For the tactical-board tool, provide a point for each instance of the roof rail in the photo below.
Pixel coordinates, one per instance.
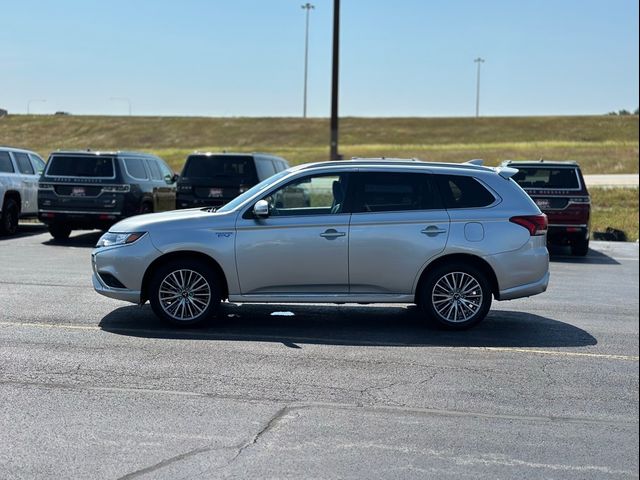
(387, 161)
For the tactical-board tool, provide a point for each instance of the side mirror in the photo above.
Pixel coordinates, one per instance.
(175, 178)
(261, 209)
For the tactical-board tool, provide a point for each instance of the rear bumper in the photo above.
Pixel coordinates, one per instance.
(80, 219)
(527, 290)
(565, 233)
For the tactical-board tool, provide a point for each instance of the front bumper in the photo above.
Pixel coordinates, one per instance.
(127, 264)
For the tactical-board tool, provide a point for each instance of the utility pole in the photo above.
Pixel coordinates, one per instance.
(333, 154)
(308, 7)
(479, 61)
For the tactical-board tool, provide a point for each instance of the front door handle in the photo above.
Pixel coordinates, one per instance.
(332, 233)
(433, 230)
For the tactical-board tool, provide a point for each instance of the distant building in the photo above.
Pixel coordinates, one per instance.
(62, 113)
(3, 112)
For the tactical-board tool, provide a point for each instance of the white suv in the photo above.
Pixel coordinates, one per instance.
(19, 174)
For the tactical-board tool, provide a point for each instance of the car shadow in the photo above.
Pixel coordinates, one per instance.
(83, 240)
(401, 326)
(26, 230)
(560, 254)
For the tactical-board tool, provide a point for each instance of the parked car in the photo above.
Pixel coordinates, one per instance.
(448, 237)
(559, 190)
(19, 173)
(82, 190)
(213, 179)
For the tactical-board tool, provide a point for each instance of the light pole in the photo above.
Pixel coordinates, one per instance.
(122, 99)
(307, 7)
(479, 61)
(333, 145)
(31, 101)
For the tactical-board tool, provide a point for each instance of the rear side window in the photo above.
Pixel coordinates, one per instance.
(460, 191)
(24, 165)
(546, 178)
(5, 163)
(135, 168)
(80, 166)
(391, 192)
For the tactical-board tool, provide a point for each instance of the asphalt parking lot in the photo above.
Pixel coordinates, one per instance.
(546, 387)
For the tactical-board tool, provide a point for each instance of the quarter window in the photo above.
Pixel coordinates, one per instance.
(315, 195)
(394, 191)
(24, 165)
(5, 163)
(135, 168)
(460, 191)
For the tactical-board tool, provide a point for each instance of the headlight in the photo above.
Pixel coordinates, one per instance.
(110, 239)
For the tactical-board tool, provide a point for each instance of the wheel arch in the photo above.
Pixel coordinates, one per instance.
(467, 258)
(12, 194)
(183, 254)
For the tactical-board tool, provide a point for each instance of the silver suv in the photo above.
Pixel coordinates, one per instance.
(448, 237)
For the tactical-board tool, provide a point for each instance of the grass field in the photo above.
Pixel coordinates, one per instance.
(616, 208)
(602, 144)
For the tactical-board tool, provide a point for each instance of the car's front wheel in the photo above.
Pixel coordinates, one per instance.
(456, 296)
(184, 292)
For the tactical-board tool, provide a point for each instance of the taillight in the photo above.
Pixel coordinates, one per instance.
(536, 224)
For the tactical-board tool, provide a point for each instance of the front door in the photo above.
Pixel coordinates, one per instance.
(398, 224)
(302, 247)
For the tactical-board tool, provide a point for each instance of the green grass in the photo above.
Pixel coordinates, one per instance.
(616, 208)
(602, 144)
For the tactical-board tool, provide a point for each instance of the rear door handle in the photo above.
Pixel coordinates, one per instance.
(433, 230)
(332, 233)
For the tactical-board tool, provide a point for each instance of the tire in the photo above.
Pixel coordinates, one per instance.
(464, 311)
(9, 217)
(199, 304)
(59, 232)
(580, 248)
(146, 207)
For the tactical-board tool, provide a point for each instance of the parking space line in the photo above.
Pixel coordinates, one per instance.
(222, 336)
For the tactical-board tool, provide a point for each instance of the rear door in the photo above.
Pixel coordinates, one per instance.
(398, 224)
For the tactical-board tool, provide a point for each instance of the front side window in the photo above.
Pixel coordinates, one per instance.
(24, 165)
(5, 163)
(155, 171)
(38, 162)
(459, 191)
(395, 191)
(135, 168)
(312, 195)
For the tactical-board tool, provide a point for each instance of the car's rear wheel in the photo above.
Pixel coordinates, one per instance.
(59, 232)
(184, 292)
(580, 248)
(456, 296)
(145, 208)
(9, 217)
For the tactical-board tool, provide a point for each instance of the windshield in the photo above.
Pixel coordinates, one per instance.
(81, 166)
(547, 178)
(208, 166)
(256, 189)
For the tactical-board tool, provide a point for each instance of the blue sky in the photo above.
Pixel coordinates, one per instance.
(245, 58)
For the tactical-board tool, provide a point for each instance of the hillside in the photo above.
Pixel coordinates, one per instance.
(602, 144)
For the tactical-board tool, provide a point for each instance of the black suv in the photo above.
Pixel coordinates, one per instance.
(86, 190)
(213, 179)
